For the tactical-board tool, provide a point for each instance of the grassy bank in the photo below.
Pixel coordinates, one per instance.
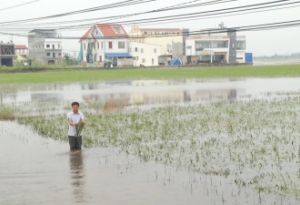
(78, 74)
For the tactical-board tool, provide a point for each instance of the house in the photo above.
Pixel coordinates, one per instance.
(165, 37)
(45, 46)
(218, 48)
(21, 50)
(7, 54)
(106, 42)
(144, 54)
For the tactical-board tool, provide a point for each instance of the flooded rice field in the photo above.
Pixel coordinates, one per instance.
(204, 142)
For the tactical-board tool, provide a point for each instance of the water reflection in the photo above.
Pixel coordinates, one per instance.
(77, 175)
(145, 93)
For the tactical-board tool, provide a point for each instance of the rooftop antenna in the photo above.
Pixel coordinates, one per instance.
(222, 25)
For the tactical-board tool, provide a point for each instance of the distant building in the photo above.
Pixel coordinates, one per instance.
(106, 42)
(45, 46)
(144, 54)
(7, 54)
(21, 50)
(165, 37)
(218, 48)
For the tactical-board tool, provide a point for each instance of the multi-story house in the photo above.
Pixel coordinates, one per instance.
(45, 46)
(145, 54)
(164, 37)
(106, 42)
(7, 54)
(216, 48)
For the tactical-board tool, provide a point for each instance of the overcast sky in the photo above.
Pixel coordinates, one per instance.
(280, 41)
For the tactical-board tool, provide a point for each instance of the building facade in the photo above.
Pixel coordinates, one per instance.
(106, 42)
(7, 54)
(144, 54)
(44, 46)
(21, 50)
(164, 37)
(216, 48)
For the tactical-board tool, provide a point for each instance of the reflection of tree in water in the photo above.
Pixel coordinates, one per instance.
(77, 175)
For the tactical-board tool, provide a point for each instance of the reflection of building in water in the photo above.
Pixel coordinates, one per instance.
(149, 82)
(36, 97)
(77, 176)
(212, 95)
(8, 98)
(157, 97)
(117, 101)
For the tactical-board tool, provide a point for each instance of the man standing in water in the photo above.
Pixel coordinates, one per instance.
(75, 119)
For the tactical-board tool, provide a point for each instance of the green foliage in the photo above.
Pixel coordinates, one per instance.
(6, 113)
(33, 74)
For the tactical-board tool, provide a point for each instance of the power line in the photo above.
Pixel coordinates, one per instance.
(169, 8)
(19, 5)
(187, 16)
(104, 7)
(257, 27)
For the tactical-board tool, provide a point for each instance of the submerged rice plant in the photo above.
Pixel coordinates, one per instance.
(254, 143)
(7, 113)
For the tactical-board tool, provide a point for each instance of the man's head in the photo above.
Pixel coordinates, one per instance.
(75, 107)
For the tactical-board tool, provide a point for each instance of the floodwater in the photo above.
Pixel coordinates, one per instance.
(264, 62)
(37, 170)
(150, 93)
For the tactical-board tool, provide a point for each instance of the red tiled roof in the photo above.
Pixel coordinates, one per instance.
(107, 31)
(20, 47)
(86, 35)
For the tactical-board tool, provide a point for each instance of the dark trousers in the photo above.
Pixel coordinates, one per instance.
(75, 142)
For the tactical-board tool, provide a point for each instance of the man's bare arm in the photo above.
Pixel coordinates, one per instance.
(70, 122)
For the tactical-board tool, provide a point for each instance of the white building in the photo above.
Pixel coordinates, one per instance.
(144, 54)
(106, 42)
(21, 50)
(44, 46)
(214, 47)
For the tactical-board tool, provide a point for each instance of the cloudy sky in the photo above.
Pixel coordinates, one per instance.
(280, 41)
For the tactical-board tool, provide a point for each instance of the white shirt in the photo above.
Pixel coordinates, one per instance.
(76, 119)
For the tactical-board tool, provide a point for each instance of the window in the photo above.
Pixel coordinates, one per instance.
(58, 46)
(59, 54)
(53, 46)
(121, 45)
(118, 30)
(144, 60)
(53, 55)
(152, 61)
(101, 45)
(155, 50)
(110, 45)
(84, 45)
(48, 46)
(142, 50)
(98, 45)
(136, 49)
(48, 54)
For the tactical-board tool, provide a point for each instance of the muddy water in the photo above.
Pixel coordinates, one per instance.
(35, 170)
(150, 93)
